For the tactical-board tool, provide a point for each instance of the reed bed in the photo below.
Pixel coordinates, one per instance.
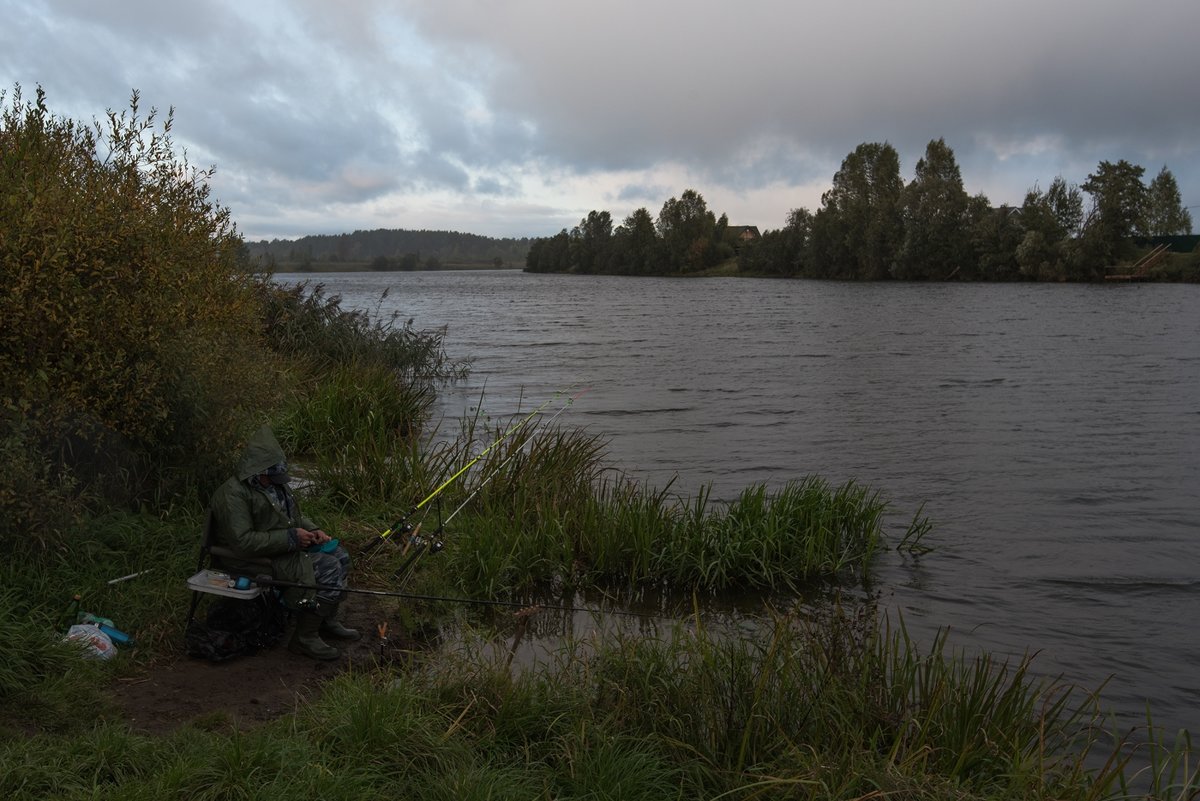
(539, 508)
(544, 511)
(310, 327)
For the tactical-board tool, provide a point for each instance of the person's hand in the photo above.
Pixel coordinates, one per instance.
(321, 537)
(308, 538)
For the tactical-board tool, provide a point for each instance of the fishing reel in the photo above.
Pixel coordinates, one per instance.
(433, 544)
(414, 539)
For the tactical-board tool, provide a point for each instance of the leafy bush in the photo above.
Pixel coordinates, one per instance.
(131, 338)
(37, 497)
(360, 397)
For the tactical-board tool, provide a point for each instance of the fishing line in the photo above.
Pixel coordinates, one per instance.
(267, 581)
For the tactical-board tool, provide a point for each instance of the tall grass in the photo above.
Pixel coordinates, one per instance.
(363, 386)
(837, 706)
(310, 327)
(548, 512)
(829, 703)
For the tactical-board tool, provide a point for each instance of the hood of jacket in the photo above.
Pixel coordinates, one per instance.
(262, 450)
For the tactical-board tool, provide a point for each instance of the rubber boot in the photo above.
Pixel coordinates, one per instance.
(332, 627)
(307, 641)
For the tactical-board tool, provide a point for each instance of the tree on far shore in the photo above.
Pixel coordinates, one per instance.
(872, 226)
(936, 240)
(1165, 214)
(858, 230)
(1118, 210)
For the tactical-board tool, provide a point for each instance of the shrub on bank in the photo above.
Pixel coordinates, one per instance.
(138, 347)
(128, 349)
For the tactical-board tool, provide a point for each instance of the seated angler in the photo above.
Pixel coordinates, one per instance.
(257, 516)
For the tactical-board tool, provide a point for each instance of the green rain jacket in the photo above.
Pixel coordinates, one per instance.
(251, 521)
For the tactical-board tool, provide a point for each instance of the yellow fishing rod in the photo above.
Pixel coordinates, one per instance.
(402, 525)
(434, 543)
(500, 467)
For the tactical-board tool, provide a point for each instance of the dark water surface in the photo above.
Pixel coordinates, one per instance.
(1053, 433)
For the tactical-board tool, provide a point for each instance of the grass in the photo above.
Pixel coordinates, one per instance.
(824, 703)
(815, 703)
(820, 702)
(553, 516)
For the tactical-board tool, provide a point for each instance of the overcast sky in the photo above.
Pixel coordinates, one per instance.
(517, 117)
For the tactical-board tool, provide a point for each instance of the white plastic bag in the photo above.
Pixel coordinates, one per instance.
(97, 643)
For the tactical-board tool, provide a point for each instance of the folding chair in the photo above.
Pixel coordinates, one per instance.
(211, 578)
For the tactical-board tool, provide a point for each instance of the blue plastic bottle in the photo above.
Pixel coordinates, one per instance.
(116, 635)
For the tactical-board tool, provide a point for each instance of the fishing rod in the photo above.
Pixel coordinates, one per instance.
(434, 543)
(402, 525)
(511, 456)
(267, 581)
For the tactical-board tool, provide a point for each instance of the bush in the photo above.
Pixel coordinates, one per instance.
(304, 324)
(131, 343)
(38, 499)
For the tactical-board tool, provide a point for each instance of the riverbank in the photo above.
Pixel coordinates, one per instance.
(823, 698)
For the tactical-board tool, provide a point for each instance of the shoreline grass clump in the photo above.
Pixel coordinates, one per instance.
(552, 514)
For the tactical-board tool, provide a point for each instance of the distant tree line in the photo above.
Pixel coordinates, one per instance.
(685, 238)
(391, 249)
(873, 226)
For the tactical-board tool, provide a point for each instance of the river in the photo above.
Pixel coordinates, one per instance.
(1052, 433)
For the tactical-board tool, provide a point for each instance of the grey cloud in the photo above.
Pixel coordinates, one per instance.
(305, 104)
(624, 85)
(643, 194)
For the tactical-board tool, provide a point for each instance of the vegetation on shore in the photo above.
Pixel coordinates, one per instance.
(873, 226)
(126, 389)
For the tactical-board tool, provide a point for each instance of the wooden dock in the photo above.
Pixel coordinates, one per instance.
(1142, 266)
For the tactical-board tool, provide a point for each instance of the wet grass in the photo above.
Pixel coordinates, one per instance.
(818, 704)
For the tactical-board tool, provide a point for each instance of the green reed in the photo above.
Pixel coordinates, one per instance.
(303, 323)
(546, 510)
(360, 436)
(805, 530)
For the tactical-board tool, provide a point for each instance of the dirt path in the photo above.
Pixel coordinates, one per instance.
(249, 690)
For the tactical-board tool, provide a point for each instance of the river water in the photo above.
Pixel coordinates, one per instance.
(1052, 433)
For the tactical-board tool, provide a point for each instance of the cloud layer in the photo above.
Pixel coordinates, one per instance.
(517, 118)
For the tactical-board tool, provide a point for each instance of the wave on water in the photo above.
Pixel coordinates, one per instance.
(633, 412)
(1127, 583)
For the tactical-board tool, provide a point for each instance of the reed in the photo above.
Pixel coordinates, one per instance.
(555, 515)
(310, 327)
(814, 702)
(355, 403)
(804, 531)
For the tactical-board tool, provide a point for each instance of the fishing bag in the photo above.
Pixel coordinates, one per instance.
(235, 627)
